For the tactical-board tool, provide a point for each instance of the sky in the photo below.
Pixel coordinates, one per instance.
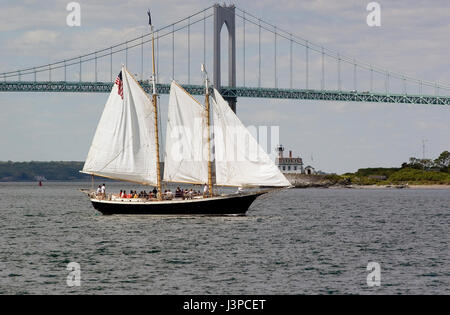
(331, 136)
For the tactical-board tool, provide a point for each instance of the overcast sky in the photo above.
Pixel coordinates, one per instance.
(331, 136)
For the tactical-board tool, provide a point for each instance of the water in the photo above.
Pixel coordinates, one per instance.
(312, 241)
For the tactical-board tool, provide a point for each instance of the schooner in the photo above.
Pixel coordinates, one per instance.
(126, 147)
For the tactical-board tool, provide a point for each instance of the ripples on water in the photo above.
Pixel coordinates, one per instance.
(312, 241)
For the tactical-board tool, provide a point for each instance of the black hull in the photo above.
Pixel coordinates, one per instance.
(228, 205)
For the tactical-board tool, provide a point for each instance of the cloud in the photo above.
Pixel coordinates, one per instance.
(26, 15)
(36, 39)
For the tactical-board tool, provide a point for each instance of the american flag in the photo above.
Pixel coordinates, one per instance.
(120, 84)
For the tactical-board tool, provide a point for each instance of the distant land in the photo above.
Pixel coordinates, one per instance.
(34, 171)
(419, 172)
(415, 172)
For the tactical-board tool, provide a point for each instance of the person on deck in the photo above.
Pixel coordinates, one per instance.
(178, 193)
(205, 191)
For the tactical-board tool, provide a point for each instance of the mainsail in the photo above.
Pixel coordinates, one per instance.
(124, 147)
(186, 158)
(239, 159)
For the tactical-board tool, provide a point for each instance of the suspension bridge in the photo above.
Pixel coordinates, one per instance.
(282, 65)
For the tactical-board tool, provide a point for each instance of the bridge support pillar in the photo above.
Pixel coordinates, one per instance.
(225, 15)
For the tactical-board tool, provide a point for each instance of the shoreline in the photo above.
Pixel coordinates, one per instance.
(298, 186)
(426, 186)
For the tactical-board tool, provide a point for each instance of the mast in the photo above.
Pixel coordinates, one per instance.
(155, 107)
(208, 124)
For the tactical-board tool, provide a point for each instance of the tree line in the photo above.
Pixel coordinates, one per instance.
(32, 171)
(441, 163)
(415, 171)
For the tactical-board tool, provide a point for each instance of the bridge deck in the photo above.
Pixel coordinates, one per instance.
(319, 95)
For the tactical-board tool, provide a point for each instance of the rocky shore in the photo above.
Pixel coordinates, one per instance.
(325, 181)
(309, 181)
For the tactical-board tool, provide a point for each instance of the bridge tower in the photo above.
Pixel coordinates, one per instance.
(225, 15)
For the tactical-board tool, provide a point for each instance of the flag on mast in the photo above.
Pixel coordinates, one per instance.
(119, 83)
(149, 18)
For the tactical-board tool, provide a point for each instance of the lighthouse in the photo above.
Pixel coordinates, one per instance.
(292, 165)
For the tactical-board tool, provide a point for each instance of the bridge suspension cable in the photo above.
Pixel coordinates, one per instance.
(316, 65)
(327, 52)
(113, 50)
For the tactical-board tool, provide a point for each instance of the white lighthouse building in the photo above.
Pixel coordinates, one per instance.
(291, 165)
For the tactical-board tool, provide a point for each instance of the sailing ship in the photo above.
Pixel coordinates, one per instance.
(126, 147)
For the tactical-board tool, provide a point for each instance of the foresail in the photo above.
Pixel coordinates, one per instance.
(186, 155)
(239, 159)
(124, 146)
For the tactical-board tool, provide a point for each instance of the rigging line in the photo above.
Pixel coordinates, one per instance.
(161, 134)
(243, 58)
(173, 54)
(142, 57)
(157, 58)
(204, 39)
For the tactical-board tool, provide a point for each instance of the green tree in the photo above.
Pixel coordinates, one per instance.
(443, 161)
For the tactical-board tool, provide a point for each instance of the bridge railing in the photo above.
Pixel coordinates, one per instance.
(255, 92)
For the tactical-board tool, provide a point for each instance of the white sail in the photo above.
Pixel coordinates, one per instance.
(240, 160)
(186, 155)
(124, 147)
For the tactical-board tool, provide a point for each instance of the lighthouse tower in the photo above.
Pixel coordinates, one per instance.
(280, 149)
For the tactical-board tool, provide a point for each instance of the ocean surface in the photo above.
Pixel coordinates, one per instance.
(297, 241)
